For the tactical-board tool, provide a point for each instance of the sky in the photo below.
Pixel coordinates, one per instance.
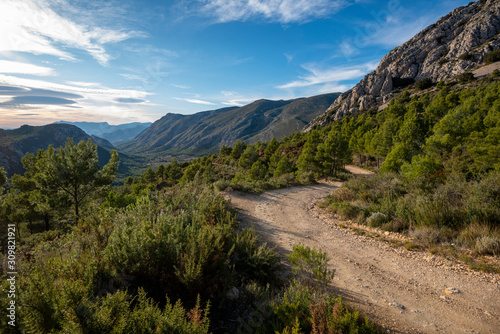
(135, 61)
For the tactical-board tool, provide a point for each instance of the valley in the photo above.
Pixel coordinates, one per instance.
(371, 206)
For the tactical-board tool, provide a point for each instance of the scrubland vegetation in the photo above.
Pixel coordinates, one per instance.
(160, 254)
(439, 177)
(163, 253)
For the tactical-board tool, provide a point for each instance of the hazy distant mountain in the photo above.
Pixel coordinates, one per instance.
(14, 144)
(206, 132)
(457, 43)
(113, 133)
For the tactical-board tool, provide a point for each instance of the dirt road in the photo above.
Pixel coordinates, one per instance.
(401, 290)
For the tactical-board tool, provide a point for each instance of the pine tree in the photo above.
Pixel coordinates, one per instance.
(71, 171)
(333, 153)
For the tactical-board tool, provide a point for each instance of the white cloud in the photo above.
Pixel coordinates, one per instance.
(33, 26)
(91, 103)
(83, 84)
(195, 101)
(319, 75)
(283, 11)
(181, 86)
(130, 76)
(7, 66)
(103, 94)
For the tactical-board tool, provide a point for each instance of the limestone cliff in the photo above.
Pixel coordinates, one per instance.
(455, 44)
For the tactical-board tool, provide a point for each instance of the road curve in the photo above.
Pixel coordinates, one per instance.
(401, 290)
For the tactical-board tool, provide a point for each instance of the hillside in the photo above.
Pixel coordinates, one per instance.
(457, 43)
(14, 144)
(208, 131)
(113, 133)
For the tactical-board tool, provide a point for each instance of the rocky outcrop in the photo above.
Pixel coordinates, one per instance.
(455, 44)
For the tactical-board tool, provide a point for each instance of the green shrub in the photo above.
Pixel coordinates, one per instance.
(466, 56)
(487, 244)
(492, 57)
(424, 83)
(344, 209)
(465, 77)
(258, 171)
(179, 247)
(255, 261)
(402, 82)
(342, 194)
(306, 177)
(426, 235)
(221, 185)
(294, 308)
(311, 265)
(376, 219)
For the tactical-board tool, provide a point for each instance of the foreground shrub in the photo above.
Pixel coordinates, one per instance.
(376, 219)
(181, 250)
(311, 265)
(487, 245)
(254, 261)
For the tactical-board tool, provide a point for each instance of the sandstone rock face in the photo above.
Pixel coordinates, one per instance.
(455, 44)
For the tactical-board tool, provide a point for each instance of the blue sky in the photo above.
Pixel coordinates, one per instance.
(127, 61)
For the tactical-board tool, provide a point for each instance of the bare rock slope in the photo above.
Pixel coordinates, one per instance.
(457, 43)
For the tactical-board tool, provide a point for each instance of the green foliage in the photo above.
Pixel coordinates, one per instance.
(492, 57)
(190, 173)
(302, 308)
(71, 172)
(182, 250)
(311, 265)
(258, 171)
(284, 166)
(333, 153)
(255, 261)
(465, 77)
(424, 83)
(225, 151)
(271, 149)
(173, 171)
(3, 176)
(238, 149)
(376, 219)
(423, 170)
(466, 56)
(306, 162)
(149, 176)
(248, 157)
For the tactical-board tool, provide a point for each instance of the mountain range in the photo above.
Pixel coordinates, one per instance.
(14, 144)
(113, 133)
(458, 43)
(206, 132)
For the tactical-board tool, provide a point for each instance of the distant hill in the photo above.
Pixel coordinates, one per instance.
(14, 144)
(459, 42)
(113, 133)
(206, 132)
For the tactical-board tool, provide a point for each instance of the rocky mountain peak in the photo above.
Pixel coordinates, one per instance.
(455, 44)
